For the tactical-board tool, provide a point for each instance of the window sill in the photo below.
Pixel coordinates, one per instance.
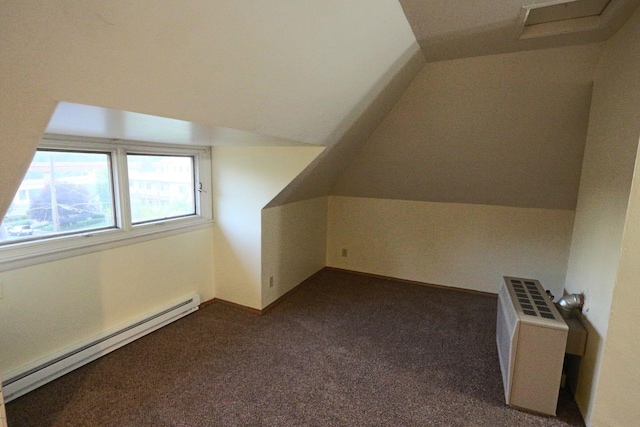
(31, 253)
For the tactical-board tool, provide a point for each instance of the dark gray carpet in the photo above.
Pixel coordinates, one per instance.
(342, 350)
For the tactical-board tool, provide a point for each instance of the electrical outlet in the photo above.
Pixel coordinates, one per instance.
(271, 281)
(345, 252)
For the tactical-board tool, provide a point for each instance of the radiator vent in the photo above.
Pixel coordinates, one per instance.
(531, 301)
(531, 337)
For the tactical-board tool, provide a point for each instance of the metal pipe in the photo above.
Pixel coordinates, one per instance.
(568, 303)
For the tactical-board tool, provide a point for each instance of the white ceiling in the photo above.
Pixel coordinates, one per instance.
(455, 29)
(283, 69)
(273, 73)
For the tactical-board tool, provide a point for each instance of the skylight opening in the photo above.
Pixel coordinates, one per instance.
(566, 16)
(575, 9)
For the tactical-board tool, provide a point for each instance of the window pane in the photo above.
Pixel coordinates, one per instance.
(62, 192)
(160, 187)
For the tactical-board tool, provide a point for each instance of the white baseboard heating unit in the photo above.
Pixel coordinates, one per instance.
(30, 377)
(531, 338)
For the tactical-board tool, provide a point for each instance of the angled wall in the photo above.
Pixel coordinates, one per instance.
(473, 175)
(245, 179)
(505, 130)
(357, 127)
(294, 245)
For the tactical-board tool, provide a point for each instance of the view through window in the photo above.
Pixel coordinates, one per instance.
(160, 187)
(62, 192)
(72, 191)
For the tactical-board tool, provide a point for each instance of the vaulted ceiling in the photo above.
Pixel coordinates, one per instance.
(284, 69)
(323, 72)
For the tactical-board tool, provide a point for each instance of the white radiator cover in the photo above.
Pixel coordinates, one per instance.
(531, 338)
(32, 376)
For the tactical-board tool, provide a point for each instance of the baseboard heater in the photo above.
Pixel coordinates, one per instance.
(32, 376)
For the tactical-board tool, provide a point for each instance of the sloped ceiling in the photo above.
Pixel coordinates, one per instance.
(286, 69)
(279, 70)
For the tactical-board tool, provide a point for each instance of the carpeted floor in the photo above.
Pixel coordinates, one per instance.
(342, 350)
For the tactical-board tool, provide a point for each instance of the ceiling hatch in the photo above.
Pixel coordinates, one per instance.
(566, 16)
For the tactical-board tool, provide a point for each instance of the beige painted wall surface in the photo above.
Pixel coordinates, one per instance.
(51, 306)
(607, 173)
(465, 246)
(294, 245)
(245, 179)
(618, 391)
(503, 130)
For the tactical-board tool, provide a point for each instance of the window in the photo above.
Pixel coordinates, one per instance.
(169, 190)
(79, 196)
(63, 192)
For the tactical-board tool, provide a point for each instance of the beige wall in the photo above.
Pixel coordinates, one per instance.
(504, 130)
(51, 306)
(465, 246)
(618, 390)
(294, 245)
(602, 242)
(48, 307)
(245, 179)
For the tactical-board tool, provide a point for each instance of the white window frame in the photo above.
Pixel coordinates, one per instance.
(32, 252)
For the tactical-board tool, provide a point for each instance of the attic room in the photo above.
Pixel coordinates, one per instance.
(418, 140)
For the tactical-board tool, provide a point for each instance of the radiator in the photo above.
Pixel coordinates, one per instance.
(19, 382)
(531, 338)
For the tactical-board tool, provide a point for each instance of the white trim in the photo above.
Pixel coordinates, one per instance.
(120, 174)
(36, 374)
(32, 252)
